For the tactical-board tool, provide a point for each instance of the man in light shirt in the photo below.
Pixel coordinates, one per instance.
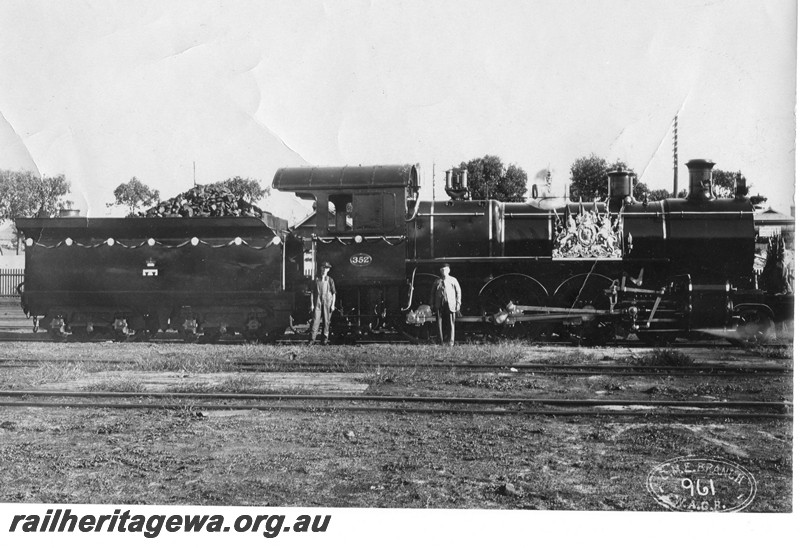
(446, 302)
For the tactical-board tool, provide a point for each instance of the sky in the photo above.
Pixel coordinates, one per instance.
(173, 92)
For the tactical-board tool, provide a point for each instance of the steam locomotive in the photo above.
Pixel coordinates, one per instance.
(544, 268)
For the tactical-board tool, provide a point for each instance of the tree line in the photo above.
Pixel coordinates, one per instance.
(25, 194)
(488, 177)
(590, 182)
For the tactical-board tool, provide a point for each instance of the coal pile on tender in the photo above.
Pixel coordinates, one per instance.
(213, 200)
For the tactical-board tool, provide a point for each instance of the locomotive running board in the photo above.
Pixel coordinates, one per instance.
(548, 309)
(537, 318)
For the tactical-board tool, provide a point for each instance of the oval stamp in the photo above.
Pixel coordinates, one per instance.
(701, 484)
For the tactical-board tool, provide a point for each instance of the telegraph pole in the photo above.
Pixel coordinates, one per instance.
(675, 157)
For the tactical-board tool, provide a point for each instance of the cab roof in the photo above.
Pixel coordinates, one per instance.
(347, 177)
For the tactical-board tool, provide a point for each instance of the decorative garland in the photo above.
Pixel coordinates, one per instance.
(343, 241)
(153, 242)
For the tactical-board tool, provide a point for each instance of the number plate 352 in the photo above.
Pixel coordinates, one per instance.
(360, 259)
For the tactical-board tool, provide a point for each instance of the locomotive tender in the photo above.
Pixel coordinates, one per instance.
(131, 277)
(539, 268)
(542, 268)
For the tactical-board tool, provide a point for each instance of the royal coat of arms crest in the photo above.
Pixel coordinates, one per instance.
(587, 235)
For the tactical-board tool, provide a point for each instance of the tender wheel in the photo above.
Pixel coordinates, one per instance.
(500, 296)
(188, 329)
(586, 292)
(120, 331)
(254, 330)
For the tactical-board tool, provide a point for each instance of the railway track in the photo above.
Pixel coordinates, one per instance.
(252, 366)
(555, 370)
(293, 339)
(672, 409)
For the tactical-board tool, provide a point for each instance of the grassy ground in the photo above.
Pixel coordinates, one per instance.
(88, 359)
(360, 460)
(334, 458)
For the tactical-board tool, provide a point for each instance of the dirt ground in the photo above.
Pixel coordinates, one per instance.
(335, 458)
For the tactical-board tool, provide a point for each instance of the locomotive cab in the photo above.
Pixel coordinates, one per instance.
(358, 226)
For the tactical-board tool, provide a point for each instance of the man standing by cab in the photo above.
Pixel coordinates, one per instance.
(323, 298)
(446, 302)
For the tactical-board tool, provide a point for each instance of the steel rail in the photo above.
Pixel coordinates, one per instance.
(649, 413)
(550, 370)
(393, 399)
(529, 365)
(566, 369)
(294, 340)
(541, 369)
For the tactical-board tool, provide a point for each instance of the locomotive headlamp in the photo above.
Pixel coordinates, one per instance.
(276, 240)
(195, 240)
(68, 241)
(359, 238)
(29, 242)
(110, 242)
(237, 240)
(151, 242)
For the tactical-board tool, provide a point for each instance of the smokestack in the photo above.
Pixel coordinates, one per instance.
(700, 183)
(620, 188)
(741, 185)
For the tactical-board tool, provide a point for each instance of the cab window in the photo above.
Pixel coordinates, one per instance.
(340, 213)
(370, 212)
